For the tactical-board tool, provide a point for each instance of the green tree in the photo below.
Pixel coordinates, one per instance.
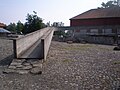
(19, 27)
(12, 27)
(33, 23)
(112, 3)
(58, 24)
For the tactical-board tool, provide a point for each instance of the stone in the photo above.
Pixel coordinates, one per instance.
(22, 71)
(15, 63)
(117, 48)
(37, 65)
(36, 71)
(8, 71)
(19, 66)
(26, 64)
(12, 67)
(27, 67)
(19, 60)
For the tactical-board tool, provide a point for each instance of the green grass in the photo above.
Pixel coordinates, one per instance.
(66, 61)
(78, 47)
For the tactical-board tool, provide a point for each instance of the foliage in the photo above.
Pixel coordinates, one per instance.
(112, 3)
(58, 24)
(48, 24)
(12, 27)
(59, 33)
(33, 23)
(19, 27)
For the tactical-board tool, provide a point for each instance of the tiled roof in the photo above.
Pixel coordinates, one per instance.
(2, 25)
(99, 13)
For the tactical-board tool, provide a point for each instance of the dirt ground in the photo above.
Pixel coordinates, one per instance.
(68, 67)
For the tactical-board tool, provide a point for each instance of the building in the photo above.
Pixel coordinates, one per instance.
(3, 32)
(100, 25)
(2, 25)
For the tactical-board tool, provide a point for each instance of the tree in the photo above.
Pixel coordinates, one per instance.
(58, 24)
(16, 28)
(19, 27)
(112, 3)
(48, 24)
(12, 27)
(33, 23)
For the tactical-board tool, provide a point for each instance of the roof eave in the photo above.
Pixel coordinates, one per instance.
(93, 18)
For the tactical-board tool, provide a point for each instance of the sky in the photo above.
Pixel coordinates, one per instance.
(11, 11)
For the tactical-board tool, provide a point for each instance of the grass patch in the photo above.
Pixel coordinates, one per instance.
(66, 61)
(106, 49)
(78, 47)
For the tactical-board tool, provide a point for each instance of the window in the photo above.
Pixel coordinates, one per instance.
(83, 31)
(107, 30)
(118, 31)
(94, 31)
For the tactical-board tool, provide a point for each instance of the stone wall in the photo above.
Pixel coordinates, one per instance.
(100, 37)
(101, 40)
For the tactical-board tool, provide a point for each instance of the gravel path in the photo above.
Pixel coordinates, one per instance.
(6, 51)
(70, 67)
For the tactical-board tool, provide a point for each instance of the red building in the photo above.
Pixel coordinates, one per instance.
(97, 25)
(2, 25)
(102, 16)
(3, 32)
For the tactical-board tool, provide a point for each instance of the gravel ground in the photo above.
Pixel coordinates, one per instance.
(68, 67)
(6, 51)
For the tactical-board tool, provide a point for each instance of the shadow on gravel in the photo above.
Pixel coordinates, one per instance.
(6, 61)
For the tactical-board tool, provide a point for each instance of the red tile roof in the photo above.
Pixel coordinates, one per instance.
(99, 13)
(2, 25)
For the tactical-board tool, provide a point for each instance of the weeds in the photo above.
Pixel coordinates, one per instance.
(79, 47)
(66, 61)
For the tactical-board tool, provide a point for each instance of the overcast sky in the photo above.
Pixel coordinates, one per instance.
(48, 10)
